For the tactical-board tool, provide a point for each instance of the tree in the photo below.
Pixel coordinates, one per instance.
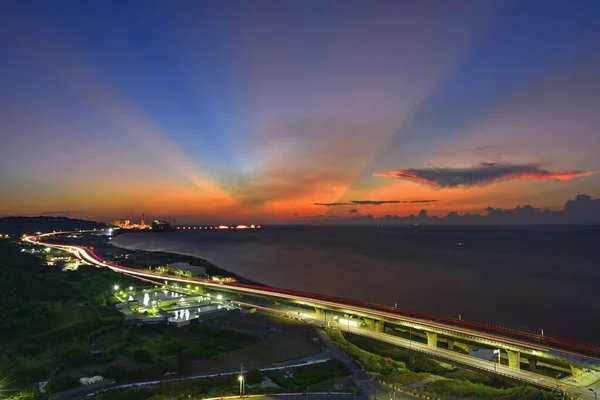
(75, 356)
(142, 355)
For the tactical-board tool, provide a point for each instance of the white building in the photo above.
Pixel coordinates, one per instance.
(93, 379)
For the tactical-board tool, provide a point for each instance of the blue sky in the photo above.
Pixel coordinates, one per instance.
(257, 110)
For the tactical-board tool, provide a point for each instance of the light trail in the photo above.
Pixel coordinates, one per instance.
(524, 341)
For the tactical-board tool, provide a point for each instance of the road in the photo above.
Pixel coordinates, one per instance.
(519, 339)
(70, 395)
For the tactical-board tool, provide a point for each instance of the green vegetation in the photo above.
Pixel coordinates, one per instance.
(455, 383)
(414, 361)
(315, 377)
(172, 271)
(42, 309)
(369, 361)
(301, 378)
(464, 388)
(153, 350)
(50, 321)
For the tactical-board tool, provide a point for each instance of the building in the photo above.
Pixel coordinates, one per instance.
(93, 379)
(193, 269)
(121, 223)
(163, 226)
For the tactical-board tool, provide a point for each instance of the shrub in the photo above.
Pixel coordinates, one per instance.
(116, 372)
(76, 356)
(142, 355)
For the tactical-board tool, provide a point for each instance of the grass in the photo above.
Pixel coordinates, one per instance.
(481, 377)
(369, 361)
(460, 383)
(302, 377)
(400, 380)
(414, 361)
(155, 350)
(464, 388)
(316, 377)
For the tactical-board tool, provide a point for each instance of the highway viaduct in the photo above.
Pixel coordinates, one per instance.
(441, 336)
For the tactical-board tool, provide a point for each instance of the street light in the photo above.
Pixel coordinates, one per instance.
(497, 351)
(116, 287)
(241, 379)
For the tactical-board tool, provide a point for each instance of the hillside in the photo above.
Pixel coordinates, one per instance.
(20, 225)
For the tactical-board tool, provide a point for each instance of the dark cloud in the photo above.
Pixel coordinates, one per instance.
(323, 217)
(366, 217)
(372, 202)
(420, 201)
(480, 175)
(59, 213)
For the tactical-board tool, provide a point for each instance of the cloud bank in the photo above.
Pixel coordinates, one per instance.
(581, 210)
(480, 175)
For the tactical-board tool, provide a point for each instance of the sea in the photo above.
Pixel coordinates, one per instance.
(523, 277)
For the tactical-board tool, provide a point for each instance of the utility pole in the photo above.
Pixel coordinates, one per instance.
(241, 379)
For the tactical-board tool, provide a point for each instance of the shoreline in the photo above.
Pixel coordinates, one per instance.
(192, 257)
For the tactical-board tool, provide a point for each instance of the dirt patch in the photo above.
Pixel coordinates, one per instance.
(282, 339)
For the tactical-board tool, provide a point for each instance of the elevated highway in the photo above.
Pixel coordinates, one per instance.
(518, 347)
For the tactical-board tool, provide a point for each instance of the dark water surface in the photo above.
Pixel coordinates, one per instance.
(521, 277)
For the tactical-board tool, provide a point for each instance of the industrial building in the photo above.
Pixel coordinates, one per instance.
(192, 269)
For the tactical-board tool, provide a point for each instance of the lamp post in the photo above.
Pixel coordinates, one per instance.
(497, 351)
(241, 379)
(542, 332)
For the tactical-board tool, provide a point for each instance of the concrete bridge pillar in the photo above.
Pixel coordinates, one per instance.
(576, 371)
(514, 359)
(379, 326)
(450, 344)
(532, 364)
(431, 339)
(463, 346)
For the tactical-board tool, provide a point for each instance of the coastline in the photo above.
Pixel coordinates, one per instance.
(194, 259)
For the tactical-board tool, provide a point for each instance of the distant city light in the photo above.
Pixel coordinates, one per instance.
(219, 297)
(116, 287)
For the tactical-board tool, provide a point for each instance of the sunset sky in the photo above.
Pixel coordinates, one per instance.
(283, 111)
